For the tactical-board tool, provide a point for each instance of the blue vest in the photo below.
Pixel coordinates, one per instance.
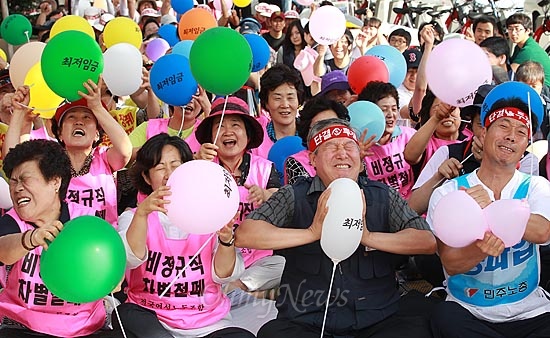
(364, 290)
(505, 279)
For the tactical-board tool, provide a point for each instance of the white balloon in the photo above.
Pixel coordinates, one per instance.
(343, 225)
(5, 199)
(122, 69)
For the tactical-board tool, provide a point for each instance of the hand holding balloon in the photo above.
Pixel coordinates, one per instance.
(207, 152)
(366, 143)
(154, 202)
(19, 103)
(202, 99)
(490, 245)
(93, 98)
(480, 195)
(450, 168)
(316, 226)
(44, 235)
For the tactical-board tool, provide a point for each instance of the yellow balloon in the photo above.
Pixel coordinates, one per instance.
(122, 29)
(3, 55)
(241, 3)
(43, 99)
(72, 22)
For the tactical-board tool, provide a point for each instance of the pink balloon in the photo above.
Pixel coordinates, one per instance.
(156, 48)
(457, 84)
(204, 197)
(507, 219)
(305, 2)
(458, 220)
(327, 25)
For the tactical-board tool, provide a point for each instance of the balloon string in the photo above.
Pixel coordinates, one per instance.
(221, 120)
(530, 142)
(186, 266)
(328, 298)
(118, 317)
(27, 35)
(182, 119)
(39, 109)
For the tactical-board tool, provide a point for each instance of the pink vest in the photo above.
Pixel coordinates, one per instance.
(157, 126)
(303, 158)
(96, 189)
(194, 301)
(388, 164)
(41, 134)
(259, 172)
(263, 149)
(26, 299)
(435, 143)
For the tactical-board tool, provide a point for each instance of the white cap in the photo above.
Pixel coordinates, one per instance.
(150, 12)
(168, 19)
(102, 21)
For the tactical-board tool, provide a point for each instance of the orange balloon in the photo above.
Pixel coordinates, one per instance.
(194, 22)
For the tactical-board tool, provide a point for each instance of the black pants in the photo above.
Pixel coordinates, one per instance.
(411, 321)
(450, 320)
(140, 322)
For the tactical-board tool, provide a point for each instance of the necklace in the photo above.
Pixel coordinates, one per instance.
(85, 167)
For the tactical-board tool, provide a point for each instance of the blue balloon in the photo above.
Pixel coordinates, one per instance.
(394, 60)
(367, 115)
(181, 6)
(170, 34)
(172, 81)
(513, 89)
(183, 48)
(283, 148)
(260, 51)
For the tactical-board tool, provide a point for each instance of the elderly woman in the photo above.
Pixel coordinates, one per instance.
(39, 174)
(79, 126)
(196, 305)
(256, 177)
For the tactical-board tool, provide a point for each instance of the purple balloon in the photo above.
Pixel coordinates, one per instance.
(156, 48)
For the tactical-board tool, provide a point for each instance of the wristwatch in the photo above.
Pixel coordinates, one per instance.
(228, 244)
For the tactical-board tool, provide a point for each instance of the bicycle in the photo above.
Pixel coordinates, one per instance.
(544, 28)
(405, 16)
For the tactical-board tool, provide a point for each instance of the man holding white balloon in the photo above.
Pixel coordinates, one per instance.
(364, 300)
(492, 283)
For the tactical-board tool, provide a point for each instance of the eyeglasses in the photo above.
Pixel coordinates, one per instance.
(397, 40)
(516, 28)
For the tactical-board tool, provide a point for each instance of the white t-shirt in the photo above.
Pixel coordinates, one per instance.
(538, 198)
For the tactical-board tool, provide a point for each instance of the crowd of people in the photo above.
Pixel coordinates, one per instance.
(266, 273)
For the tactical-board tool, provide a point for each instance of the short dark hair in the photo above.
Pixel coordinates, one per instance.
(149, 155)
(437, 27)
(401, 32)
(314, 107)
(375, 91)
(277, 75)
(51, 158)
(497, 45)
(520, 18)
(485, 19)
(372, 21)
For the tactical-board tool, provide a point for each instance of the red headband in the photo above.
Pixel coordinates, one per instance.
(511, 112)
(329, 133)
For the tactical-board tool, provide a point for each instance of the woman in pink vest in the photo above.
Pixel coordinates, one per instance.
(39, 172)
(157, 250)
(386, 163)
(79, 127)
(315, 110)
(256, 178)
(281, 93)
(183, 122)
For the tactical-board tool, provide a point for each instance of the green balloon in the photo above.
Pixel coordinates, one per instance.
(69, 59)
(85, 262)
(16, 29)
(221, 60)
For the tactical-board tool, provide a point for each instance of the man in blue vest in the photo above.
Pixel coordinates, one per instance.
(492, 289)
(364, 300)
